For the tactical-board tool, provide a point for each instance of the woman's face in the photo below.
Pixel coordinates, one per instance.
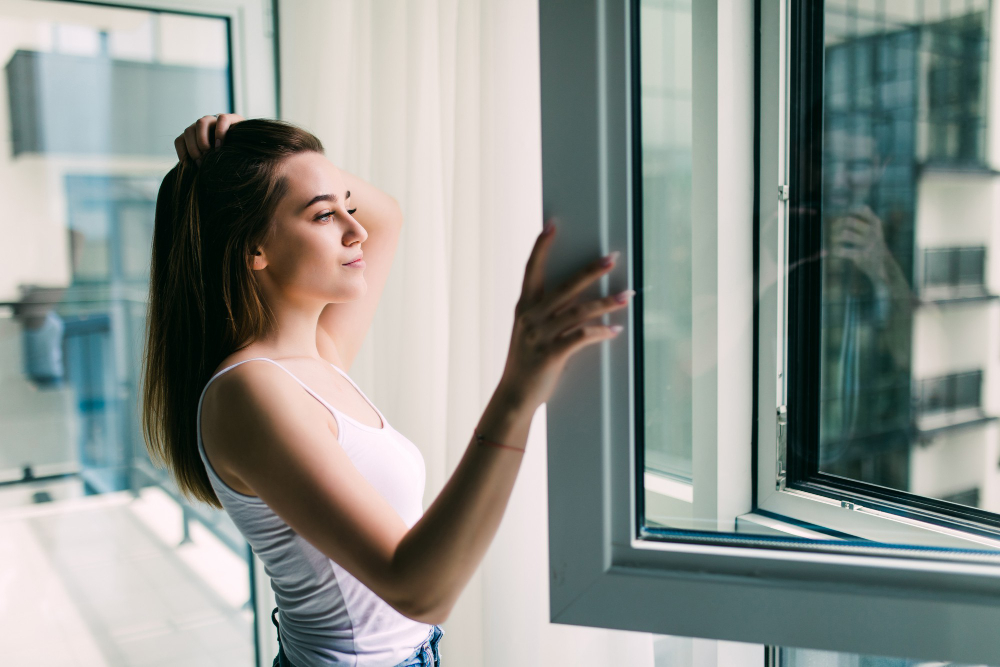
(315, 236)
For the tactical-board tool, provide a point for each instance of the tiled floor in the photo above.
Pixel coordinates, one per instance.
(100, 581)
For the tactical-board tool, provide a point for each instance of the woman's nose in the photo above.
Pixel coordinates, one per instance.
(357, 231)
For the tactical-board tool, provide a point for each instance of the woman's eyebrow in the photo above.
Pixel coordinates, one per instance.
(330, 198)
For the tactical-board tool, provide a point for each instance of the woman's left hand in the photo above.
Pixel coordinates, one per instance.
(194, 142)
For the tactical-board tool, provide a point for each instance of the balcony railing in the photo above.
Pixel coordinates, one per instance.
(954, 274)
(949, 401)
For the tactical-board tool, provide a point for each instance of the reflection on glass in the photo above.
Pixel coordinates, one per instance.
(665, 52)
(100, 549)
(909, 320)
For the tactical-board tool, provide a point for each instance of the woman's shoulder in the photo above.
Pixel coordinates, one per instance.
(264, 385)
(239, 356)
(233, 382)
(248, 401)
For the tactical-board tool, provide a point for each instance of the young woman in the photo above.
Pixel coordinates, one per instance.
(268, 263)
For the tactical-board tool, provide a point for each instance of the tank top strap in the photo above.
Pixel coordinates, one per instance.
(230, 367)
(363, 394)
(338, 414)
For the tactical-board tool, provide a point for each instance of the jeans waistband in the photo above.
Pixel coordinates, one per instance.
(426, 654)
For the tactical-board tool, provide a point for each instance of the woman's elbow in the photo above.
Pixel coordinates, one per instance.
(396, 212)
(430, 616)
(424, 610)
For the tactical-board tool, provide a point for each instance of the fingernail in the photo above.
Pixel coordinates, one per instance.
(610, 258)
(623, 297)
(218, 142)
(198, 161)
(616, 328)
(548, 227)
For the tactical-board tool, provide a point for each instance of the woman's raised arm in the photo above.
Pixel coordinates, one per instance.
(346, 324)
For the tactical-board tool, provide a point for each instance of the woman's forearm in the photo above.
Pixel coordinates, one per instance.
(440, 553)
(376, 209)
(435, 559)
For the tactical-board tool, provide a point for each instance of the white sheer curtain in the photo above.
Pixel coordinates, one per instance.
(437, 103)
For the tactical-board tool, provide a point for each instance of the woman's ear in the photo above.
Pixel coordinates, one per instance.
(258, 260)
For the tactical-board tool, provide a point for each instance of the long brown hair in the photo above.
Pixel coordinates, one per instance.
(204, 302)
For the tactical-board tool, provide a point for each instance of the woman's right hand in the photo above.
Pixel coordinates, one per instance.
(550, 328)
(194, 141)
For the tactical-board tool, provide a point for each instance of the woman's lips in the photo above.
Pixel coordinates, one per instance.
(358, 263)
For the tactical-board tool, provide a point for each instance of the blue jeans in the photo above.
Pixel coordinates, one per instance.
(425, 655)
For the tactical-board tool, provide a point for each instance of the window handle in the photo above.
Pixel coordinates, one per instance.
(782, 447)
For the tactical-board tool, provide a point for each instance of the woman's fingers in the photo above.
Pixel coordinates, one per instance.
(574, 339)
(573, 315)
(196, 140)
(534, 272)
(852, 222)
(561, 297)
(223, 124)
(181, 148)
(192, 146)
(851, 237)
(201, 128)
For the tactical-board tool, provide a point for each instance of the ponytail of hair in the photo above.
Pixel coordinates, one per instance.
(204, 300)
(175, 335)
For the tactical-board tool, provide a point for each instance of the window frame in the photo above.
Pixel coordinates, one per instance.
(731, 586)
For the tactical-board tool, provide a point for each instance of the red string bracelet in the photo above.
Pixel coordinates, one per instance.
(481, 439)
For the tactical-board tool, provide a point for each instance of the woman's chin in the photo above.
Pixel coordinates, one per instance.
(345, 296)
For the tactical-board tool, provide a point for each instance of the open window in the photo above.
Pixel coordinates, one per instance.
(794, 442)
(888, 309)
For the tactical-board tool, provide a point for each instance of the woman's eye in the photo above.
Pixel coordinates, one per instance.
(328, 214)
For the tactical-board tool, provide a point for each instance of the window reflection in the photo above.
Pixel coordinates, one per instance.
(909, 317)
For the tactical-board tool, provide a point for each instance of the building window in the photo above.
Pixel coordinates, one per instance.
(954, 273)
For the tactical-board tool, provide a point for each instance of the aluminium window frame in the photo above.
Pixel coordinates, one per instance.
(254, 94)
(728, 586)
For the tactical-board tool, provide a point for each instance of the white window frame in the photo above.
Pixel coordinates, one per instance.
(255, 95)
(601, 573)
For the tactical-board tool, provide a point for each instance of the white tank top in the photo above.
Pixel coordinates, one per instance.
(327, 617)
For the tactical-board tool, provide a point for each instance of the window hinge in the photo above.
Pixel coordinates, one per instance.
(782, 446)
(783, 192)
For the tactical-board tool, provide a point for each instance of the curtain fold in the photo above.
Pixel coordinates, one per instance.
(437, 103)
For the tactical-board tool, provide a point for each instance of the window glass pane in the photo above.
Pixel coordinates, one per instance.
(908, 365)
(902, 318)
(99, 548)
(971, 266)
(665, 43)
